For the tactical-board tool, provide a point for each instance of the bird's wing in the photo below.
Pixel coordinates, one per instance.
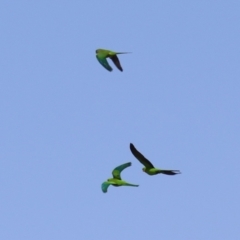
(140, 157)
(116, 61)
(105, 186)
(104, 63)
(117, 171)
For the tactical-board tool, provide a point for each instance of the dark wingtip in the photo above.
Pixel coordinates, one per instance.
(119, 68)
(131, 147)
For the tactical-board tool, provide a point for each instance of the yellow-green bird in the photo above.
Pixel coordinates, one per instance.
(149, 168)
(116, 181)
(103, 54)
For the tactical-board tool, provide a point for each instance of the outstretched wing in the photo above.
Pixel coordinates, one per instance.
(117, 171)
(140, 157)
(104, 63)
(116, 61)
(105, 186)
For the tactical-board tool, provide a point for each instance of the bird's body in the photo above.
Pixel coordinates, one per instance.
(149, 168)
(116, 181)
(103, 54)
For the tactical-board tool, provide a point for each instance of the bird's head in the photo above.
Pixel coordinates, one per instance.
(144, 169)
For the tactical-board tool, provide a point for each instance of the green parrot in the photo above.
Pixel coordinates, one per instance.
(116, 181)
(103, 54)
(149, 168)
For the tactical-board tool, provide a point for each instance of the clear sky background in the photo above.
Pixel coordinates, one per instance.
(66, 122)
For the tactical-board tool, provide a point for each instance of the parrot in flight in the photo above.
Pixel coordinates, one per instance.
(149, 168)
(103, 54)
(116, 181)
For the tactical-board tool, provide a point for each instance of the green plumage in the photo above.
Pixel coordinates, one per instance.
(116, 181)
(103, 54)
(149, 168)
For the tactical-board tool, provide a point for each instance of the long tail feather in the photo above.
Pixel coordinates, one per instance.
(131, 185)
(123, 52)
(170, 172)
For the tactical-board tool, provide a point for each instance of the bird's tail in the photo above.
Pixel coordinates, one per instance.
(131, 185)
(170, 172)
(122, 52)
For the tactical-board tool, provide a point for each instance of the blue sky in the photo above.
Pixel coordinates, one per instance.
(66, 122)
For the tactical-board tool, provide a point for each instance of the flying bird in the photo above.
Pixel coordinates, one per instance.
(103, 54)
(149, 168)
(116, 181)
